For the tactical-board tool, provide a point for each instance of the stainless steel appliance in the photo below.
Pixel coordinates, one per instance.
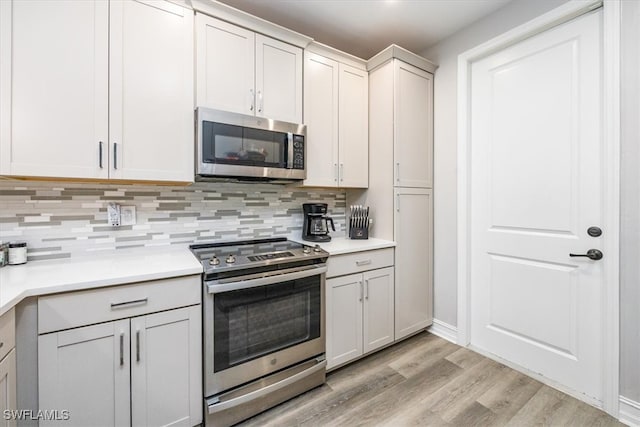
(315, 226)
(263, 325)
(232, 145)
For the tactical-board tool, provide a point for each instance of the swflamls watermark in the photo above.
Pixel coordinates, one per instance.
(39, 415)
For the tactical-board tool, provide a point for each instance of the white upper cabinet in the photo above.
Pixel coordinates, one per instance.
(54, 81)
(96, 89)
(151, 91)
(413, 126)
(354, 127)
(278, 80)
(244, 72)
(336, 112)
(225, 66)
(321, 117)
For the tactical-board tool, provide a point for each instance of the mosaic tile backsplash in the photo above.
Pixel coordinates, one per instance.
(63, 220)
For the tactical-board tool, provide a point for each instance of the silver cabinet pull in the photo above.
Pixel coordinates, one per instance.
(100, 154)
(116, 305)
(398, 172)
(366, 290)
(361, 291)
(115, 155)
(260, 102)
(341, 171)
(253, 100)
(397, 203)
(138, 345)
(335, 172)
(121, 348)
(363, 262)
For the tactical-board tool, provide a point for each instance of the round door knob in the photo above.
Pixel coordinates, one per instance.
(214, 260)
(231, 259)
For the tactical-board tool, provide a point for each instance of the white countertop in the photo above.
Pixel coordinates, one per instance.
(344, 245)
(105, 269)
(125, 266)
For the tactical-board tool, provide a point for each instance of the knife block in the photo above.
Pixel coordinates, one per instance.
(358, 233)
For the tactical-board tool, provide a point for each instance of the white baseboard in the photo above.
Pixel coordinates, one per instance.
(629, 412)
(444, 330)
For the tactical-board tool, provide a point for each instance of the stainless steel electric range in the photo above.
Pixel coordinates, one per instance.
(263, 325)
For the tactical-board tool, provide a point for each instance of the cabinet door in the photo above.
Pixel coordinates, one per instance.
(344, 319)
(278, 80)
(166, 368)
(378, 308)
(54, 85)
(354, 127)
(151, 91)
(8, 388)
(414, 242)
(413, 126)
(225, 66)
(86, 371)
(321, 117)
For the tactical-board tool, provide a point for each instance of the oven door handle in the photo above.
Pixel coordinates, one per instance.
(226, 285)
(215, 406)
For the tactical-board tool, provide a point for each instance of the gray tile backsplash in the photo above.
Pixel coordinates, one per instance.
(63, 220)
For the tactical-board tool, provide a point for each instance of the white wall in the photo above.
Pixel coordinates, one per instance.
(630, 204)
(445, 54)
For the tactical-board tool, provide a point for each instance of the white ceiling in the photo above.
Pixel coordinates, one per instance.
(365, 27)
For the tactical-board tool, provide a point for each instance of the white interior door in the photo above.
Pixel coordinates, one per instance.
(536, 144)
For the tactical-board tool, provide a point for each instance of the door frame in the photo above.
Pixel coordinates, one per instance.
(611, 172)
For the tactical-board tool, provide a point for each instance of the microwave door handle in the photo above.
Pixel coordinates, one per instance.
(289, 150)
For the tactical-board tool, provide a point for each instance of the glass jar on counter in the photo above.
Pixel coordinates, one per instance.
(17, 253)
(4, 254)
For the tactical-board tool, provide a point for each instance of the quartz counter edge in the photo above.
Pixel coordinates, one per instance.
(37, 278)
(344, 245)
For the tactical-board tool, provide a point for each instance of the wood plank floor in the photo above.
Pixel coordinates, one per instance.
(428, 381)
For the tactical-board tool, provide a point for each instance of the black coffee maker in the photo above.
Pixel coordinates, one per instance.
(315, 227)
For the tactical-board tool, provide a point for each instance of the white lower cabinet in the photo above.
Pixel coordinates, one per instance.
(414, 254)
(8, 388)
(141, 370)
(359, 314)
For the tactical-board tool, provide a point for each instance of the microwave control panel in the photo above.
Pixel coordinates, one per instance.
(298, 152)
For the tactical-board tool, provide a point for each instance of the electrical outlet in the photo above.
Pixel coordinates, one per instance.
(127, 215)
(113, 214)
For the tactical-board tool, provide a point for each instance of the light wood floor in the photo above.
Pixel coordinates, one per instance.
(426, 380)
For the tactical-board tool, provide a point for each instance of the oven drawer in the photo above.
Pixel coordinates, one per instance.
(340, 265)
(7, 333)
(74, 309)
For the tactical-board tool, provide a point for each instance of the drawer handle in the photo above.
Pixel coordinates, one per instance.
(116, 305)
(363, 262)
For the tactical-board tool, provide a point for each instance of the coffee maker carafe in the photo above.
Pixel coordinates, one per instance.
(315, 227)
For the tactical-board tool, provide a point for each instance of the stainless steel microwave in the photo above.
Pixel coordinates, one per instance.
(231, 145)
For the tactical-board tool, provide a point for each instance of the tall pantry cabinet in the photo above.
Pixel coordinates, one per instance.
(401, 190)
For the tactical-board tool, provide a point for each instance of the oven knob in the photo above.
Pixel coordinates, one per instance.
(214, 260)
(231, 259)
(317, 248)
(306, 250)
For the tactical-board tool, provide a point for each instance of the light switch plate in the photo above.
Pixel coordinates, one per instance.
(127, 215)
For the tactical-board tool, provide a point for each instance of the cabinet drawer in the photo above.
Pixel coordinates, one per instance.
(7, 332)
(339, 265)
(73, 309)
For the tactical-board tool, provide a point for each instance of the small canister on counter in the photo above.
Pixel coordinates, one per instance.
(4, 254)
(17, 253)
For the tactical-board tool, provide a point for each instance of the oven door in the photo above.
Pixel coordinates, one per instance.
(262, 323)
